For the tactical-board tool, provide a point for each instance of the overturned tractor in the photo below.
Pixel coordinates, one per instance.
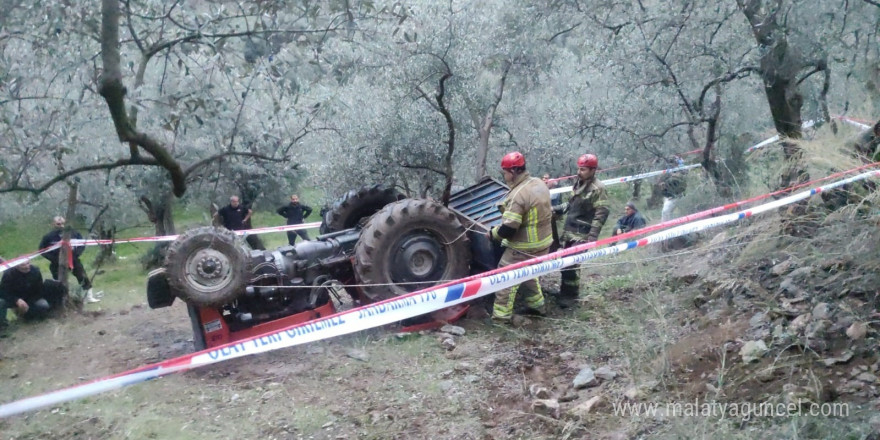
(375, 244)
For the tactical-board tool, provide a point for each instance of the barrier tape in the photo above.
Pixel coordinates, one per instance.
(602, 170)
(617, 180)
(860, 123)
(397, 309)
(607, 182)
(92, 242)
(773, 139)
(674, 222)
(244, 233)
(27, 257)
(761, 144)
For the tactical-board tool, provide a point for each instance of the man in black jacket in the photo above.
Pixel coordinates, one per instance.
(295, 213)
(632, 219)
(23, 290)
(236, 216)
(54, 236)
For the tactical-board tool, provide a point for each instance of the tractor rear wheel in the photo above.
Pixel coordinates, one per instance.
(348, 211)
(207, 266)
(410, 245)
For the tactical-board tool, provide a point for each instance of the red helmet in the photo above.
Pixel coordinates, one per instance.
(588, 161)
(513, 160)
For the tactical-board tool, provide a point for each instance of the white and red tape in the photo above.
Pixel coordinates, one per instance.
(405, 306)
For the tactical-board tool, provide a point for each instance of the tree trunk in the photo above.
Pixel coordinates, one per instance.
(655, 200)
(106, 250)
(485, 122)
(780, 64)
(785, 106)
(165, 219)
(637, 189)
(450, 139)
(104, 233)
(482, 152)
(159, 213)
(64, 253)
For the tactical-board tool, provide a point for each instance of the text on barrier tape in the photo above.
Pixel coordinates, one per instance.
(397, 309)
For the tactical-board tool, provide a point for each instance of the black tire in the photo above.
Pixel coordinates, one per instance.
(158, 290)
(355, 205)
(410, 241)
(207, 267)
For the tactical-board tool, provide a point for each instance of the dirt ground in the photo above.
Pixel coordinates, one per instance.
(403, 386)
(670, 325)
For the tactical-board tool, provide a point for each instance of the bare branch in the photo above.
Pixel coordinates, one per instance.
(207, 161)
(113, 91)
(423, 167)
(427, 99)
(450, 129)
(730, 76)
(817, 66)
(565, 31)
(61, 177)
(244, 96)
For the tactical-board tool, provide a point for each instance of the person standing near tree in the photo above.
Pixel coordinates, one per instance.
(236, 217)
(672, 186)
(585, 214)
(295, 212)
(54, 236)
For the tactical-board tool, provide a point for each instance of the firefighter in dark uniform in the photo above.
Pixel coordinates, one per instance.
(525, 232)
(585, 214)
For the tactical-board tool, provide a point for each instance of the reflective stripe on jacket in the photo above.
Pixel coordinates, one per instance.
(526, 208)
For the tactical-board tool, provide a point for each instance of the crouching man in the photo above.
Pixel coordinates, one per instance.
(23, 290)
(632, 219)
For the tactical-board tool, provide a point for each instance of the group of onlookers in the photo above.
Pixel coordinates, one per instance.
(23, 289)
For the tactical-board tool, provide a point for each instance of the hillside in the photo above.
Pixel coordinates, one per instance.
(778, 309)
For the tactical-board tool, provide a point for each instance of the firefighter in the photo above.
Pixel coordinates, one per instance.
(585, 214)
(524, 232)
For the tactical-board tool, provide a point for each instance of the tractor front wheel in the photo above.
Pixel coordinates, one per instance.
(207, 267)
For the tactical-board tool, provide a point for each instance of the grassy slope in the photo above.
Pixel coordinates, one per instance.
(630, 322)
